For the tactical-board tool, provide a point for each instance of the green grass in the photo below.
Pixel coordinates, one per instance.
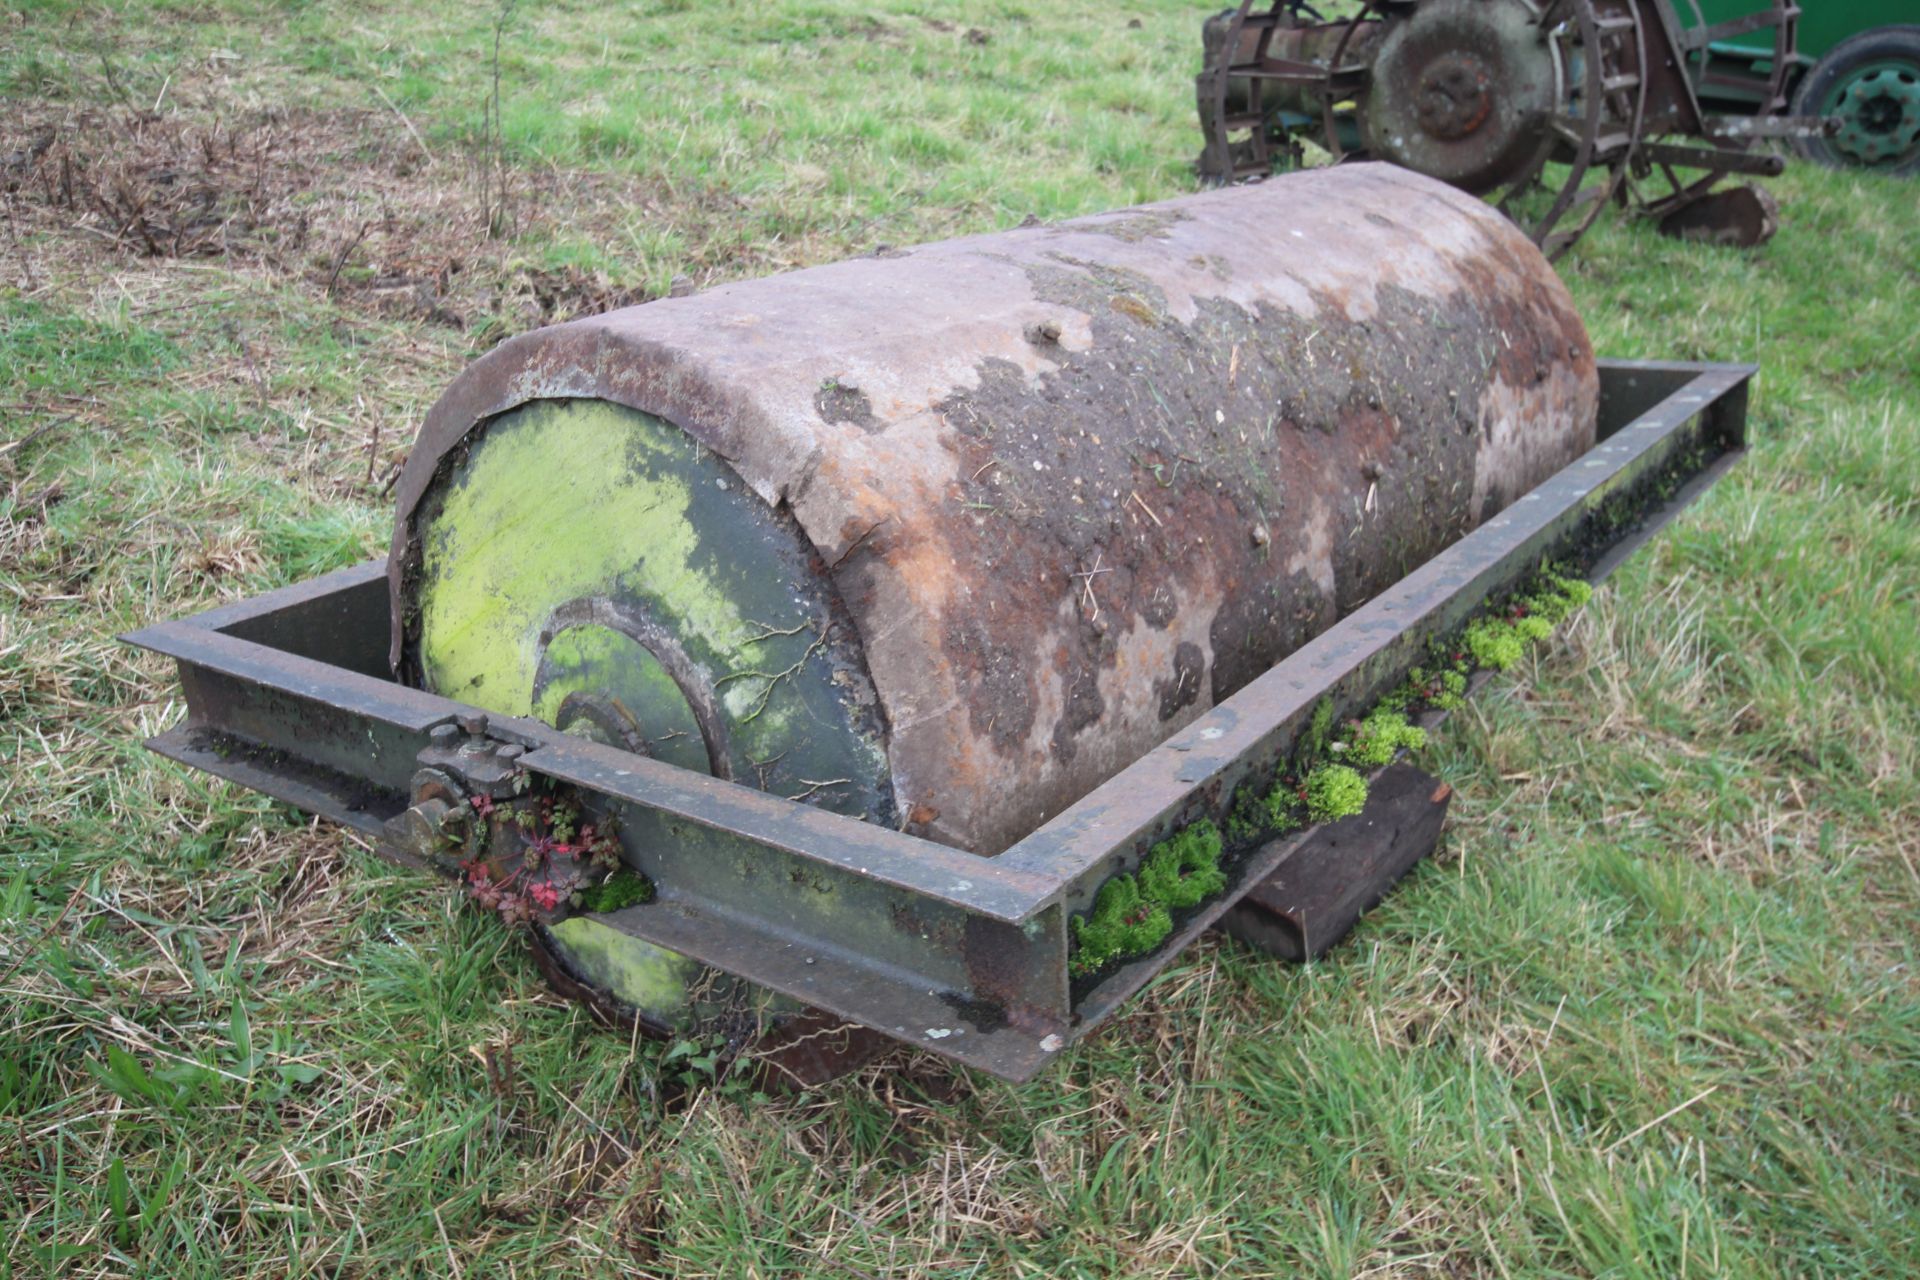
(1653, 1013)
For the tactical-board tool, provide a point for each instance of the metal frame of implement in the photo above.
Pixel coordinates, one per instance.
(289, 693)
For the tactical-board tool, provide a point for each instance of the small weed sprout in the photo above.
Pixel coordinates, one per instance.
(558, 857)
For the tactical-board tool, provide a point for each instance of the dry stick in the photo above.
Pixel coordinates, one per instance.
(593, 1124)
(373, 448)
(424, 148)
(1658, 1120)
(1086, 577)
(253, 371)
(495, 159)
(453, 1263)
(35, 434)
(10, 970)
(393, 473)
(855, 544)
(341, 261)
(113, 83)
(19, 249)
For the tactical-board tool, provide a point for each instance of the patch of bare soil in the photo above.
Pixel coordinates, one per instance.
(353, 203)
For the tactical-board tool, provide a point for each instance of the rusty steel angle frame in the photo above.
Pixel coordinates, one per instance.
(289, 693)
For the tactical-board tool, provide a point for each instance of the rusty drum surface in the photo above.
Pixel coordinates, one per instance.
(1014, 507)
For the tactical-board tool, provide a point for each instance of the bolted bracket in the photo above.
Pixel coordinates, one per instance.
(459, 762)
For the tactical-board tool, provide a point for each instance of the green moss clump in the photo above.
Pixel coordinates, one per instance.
(1335, 791)
(1382, 735)
(1134, 914)
(1122, 923)
(1558, 597)
(1281, 807)
(1444, 689)
(1498, 643)
(1258, 815)
(1493, 643)
(1184, 871)
(622, 889)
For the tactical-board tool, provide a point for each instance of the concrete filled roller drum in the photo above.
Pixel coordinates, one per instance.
(943, 537)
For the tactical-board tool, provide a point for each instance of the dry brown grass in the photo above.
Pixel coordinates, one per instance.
(346, 201)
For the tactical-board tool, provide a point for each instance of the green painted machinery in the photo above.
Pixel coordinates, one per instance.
(1857, 63)
(1556, 110)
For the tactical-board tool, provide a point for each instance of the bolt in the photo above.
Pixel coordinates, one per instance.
(512, 751)
(443, 734)
(474, 723)
(417, 831)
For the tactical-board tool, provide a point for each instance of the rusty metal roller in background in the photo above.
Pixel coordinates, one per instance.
(945, 536)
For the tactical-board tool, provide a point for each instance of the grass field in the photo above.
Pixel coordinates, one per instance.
(1653, 1013)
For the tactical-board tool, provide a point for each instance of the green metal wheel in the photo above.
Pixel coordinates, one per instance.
(596, 568)
(1872, 83)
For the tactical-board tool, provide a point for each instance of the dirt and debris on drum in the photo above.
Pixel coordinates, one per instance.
(946, 536)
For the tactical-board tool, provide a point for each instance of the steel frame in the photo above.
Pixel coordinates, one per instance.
(290, 693)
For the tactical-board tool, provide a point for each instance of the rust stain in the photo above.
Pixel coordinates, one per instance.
(1089, 483)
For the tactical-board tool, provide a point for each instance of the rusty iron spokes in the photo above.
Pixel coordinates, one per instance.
(1551, 109)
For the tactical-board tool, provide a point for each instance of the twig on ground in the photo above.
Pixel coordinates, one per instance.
(425, 150)
(79, 891)
(1086, 577)
(341, 261)
(41, 430)
(1658, 1120)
